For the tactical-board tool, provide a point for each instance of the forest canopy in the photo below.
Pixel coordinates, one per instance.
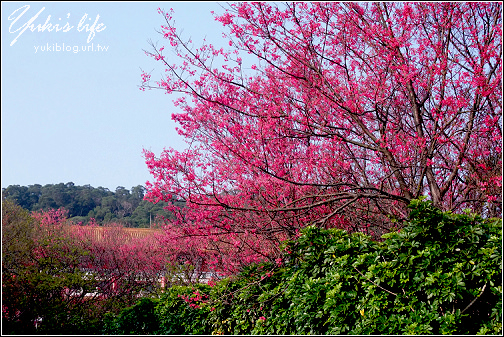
(85, 202)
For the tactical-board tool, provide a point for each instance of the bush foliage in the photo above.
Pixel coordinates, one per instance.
(442, 274)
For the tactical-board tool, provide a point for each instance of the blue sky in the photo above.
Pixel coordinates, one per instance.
(80, 117)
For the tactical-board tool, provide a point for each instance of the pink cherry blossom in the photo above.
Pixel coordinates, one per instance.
(328, 114)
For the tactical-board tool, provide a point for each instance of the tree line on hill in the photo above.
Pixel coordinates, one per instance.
(123, 206)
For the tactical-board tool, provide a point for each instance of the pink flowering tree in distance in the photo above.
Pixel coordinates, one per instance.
(124, 264)
(328, 114)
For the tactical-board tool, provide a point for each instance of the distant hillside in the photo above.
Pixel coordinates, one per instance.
(84, 202)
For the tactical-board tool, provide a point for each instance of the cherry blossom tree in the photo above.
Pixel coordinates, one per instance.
(123, 264)
(62, 277)
(40, 264)
(330, 114)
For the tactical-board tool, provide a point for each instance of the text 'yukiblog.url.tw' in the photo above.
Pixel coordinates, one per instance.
(61, 47)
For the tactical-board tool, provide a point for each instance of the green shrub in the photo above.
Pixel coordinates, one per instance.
(182, 311)
(442, 274)
(139, 319)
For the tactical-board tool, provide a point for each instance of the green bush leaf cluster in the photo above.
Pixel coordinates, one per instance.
(441, 274)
